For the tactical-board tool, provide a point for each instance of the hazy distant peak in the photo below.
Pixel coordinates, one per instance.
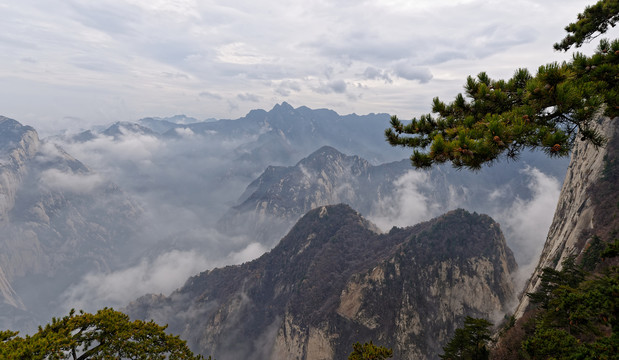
(5, 120)
(320, 158)
(256, 113)
(122, 127)
(181, 119)
(8, 125)
(83, 137)
(13, 133)
(325, 151)
(282, 107)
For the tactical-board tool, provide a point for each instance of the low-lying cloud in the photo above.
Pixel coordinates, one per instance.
(408, 205)
(165, 273)
(526, 222)
(57, 180)
(161, 275)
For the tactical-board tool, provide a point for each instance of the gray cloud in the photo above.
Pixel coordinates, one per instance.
(410, 71)
(29, 60)
(176, 75)
(286, 87)
(248, 97)
(335, 86)
(211, 95)
(372, 73)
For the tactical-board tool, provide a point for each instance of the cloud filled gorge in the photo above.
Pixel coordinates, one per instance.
(183, 184)
(185, 181)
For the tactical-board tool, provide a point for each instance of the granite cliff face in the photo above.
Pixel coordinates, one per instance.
(58, 220)
(587, 205)
(333, 281)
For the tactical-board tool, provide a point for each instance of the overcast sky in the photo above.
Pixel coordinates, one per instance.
(74, 63)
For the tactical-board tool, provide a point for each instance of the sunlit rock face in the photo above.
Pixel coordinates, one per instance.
(587, 205)
(58, 220)
(332, 281)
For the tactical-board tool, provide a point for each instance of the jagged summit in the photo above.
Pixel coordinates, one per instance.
(325, 151)
(12, 132)
(324, 223)
(7, 123)
(329, 156)
(18, 144)
(284, 106)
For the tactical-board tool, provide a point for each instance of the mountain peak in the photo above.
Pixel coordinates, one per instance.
(12, 134)
(282, 107)
(326, 155)
(122, 127)
(8, 124)
(324, 223)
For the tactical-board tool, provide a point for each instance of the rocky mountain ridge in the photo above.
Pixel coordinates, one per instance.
(333, 281)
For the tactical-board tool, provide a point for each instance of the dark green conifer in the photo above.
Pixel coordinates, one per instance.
(369, 351)
(469, 342)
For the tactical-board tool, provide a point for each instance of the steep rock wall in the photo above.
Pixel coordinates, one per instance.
(18, 144)
(576, 213)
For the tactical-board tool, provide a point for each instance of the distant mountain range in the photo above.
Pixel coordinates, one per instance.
(285, 134)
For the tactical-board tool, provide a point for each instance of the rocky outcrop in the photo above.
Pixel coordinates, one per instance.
(587, 204)
(333, 281)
